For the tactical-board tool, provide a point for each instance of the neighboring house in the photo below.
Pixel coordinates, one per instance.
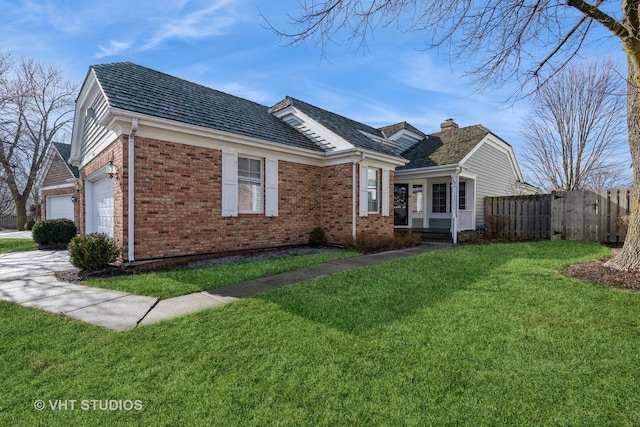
(57, 180)
(171, 168)
(449, 174)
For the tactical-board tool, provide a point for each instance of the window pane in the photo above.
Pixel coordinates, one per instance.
(373, 189)
(462, 195)
(439, 198)
(416, 199)
(250, 186)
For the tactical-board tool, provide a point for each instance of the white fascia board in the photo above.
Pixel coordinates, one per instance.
(56, 187)
(468, 175)
(408, 134)
(182, 133)
(380, 140)
(498, 143)
(428, 172)
(90, 88)
(44, 169)
(332, 138)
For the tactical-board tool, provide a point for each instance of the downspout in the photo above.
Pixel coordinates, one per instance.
(131, 190)
(354, 196)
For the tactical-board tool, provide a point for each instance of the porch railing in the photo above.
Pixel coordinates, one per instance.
(466, 221)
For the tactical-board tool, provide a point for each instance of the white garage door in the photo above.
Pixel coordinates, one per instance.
(102, 207)
(59, 207)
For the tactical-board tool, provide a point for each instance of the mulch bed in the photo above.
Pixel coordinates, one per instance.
(597, 272)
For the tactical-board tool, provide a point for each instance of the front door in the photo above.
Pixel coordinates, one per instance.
(401, 204)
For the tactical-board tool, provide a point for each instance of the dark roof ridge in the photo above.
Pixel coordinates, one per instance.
(185, 81)
(139, 89)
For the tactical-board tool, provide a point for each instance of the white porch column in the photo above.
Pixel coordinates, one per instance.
(455, 180)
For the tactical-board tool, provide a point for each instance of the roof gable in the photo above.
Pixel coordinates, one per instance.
(64, 150)
(138, 89)
(444, 148)
(348, 130)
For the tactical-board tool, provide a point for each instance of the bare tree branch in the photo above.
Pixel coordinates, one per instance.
(36, 103)
(575, 127)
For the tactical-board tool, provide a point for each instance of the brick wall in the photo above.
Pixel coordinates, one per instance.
(178, 207)
(336, 199)
(377, 223)
(178, 204)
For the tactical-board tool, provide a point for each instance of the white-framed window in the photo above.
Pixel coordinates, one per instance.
(439, 198)
(373, 190)
(462, 195)
(250, 185)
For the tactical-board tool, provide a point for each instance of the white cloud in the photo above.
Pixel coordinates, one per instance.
(422, 71)
(214, 20)
(113, 48)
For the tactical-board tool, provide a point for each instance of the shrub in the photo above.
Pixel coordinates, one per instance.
(93, 252)
(367, 241)
(54, 232)
(317, 237)
(496, 226)
(29, 224)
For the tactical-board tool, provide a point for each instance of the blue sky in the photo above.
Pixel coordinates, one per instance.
(224, 44)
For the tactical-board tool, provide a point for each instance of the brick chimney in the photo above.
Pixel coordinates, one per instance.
(448, 124)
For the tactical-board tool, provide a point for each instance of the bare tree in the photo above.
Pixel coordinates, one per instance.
(36, 103)
(523, 41)
(575, 127)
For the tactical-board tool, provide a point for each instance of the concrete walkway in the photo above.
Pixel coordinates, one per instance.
(28, 278)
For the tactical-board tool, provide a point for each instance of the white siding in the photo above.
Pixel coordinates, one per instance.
(92, 133)
(495, 175)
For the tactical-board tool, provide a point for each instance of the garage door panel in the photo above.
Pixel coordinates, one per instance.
(102, 207)
(59, 207)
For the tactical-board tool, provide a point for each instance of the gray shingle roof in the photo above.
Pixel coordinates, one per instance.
(444, 148)
(340, 125)
(65, 153)
(142, 90)
(395, 128)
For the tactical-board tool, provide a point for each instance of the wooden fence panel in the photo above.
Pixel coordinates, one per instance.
(10, 222)
(570, 215)
(528, 216)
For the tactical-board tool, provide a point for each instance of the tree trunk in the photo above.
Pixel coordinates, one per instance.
(21, 213)
(629, 257)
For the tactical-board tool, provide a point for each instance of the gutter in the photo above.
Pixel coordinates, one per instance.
(131, 190)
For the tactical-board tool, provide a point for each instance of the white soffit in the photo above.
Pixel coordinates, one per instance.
(320, 135)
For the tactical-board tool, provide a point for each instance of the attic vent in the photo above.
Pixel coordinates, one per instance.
(319, 140)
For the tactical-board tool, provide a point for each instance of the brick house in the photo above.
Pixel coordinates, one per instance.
(57, 181)
(170, 168)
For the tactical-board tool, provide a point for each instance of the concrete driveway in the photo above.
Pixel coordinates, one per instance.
(33, 263)
(28, 278)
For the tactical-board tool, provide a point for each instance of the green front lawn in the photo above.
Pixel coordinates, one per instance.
(480, 335)
(16, 245)
(167, 284)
